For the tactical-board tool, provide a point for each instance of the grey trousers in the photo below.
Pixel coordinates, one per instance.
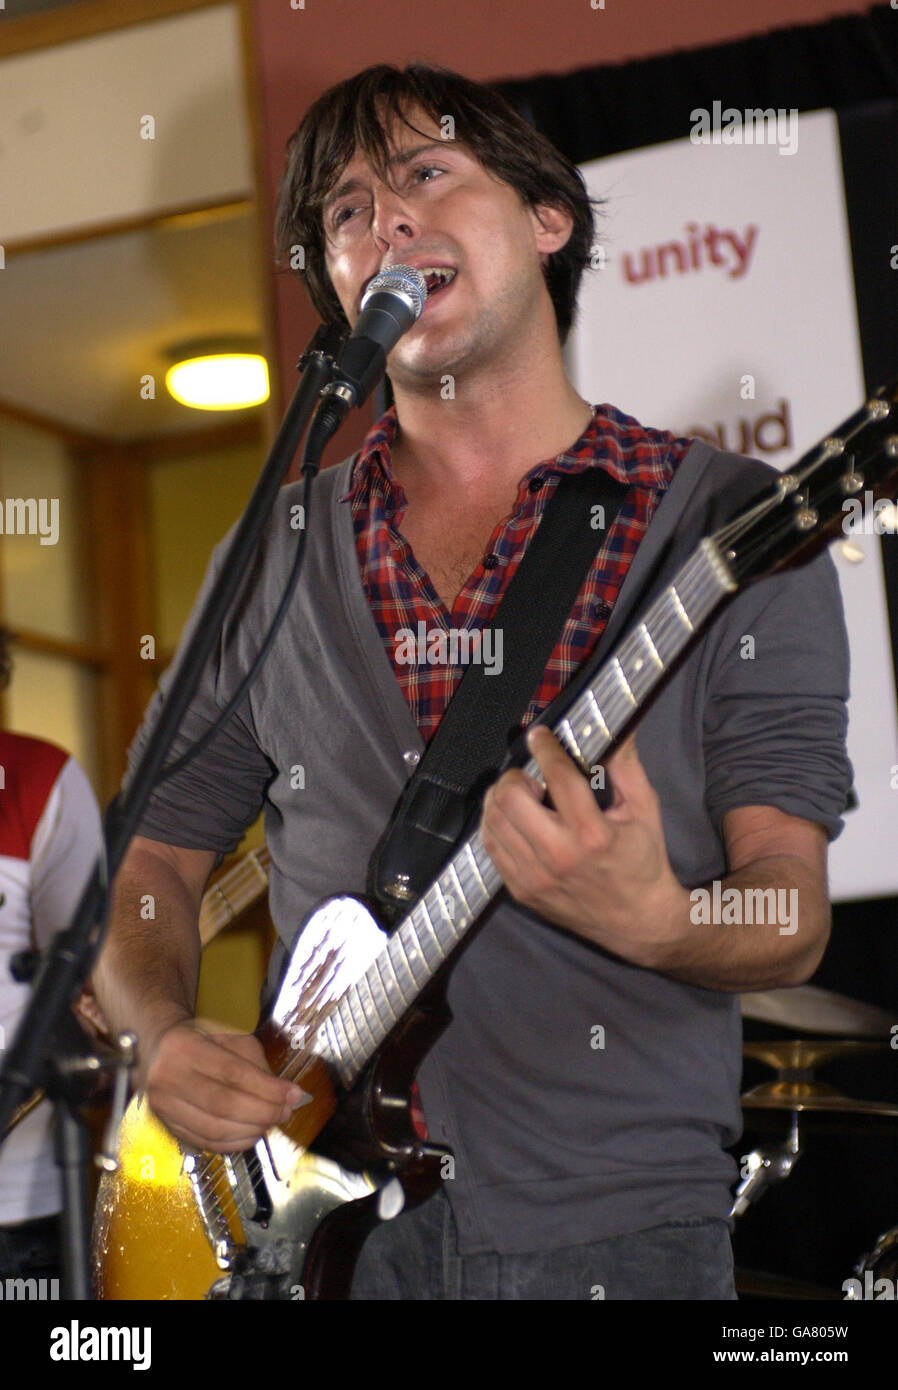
(415, 1256)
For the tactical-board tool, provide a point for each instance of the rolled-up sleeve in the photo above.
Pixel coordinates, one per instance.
(776, 715)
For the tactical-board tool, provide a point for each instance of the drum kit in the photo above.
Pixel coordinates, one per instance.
(797, 1100)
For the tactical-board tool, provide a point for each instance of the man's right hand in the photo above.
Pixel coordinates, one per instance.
(212, 1088)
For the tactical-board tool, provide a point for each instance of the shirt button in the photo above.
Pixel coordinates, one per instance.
(411, 758)
(490, 562)
(536, 483)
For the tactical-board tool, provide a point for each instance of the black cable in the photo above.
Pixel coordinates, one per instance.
(239, 694)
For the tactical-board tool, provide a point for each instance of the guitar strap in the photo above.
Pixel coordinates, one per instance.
(484, 715)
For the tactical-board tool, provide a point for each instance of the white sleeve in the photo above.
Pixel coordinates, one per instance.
(64, 849)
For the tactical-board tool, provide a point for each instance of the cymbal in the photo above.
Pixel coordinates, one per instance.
(802, 1054)
(797, 1091)
(814, 1097)
(809, 1009)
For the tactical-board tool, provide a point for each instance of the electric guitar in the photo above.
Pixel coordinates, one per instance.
(358, 1008)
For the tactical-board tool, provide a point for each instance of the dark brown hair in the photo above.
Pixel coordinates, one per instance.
(352, 116)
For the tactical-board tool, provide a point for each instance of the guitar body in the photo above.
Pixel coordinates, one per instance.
(287, 1218)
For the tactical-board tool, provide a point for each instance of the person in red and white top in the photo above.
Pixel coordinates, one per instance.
(50, 833)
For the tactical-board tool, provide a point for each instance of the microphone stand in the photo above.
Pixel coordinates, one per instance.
(66, 962)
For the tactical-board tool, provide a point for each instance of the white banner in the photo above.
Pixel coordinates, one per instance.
(725, 309)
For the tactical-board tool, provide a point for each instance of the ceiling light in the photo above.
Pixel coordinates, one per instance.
(218, 376)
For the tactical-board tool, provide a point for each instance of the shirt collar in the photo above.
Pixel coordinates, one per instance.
(605, 443)
(374, 457)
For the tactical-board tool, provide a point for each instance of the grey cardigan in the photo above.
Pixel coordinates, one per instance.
(557, 1142)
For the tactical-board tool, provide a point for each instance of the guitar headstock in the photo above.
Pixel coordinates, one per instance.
(819, 495)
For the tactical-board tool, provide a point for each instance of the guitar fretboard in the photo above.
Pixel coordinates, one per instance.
(234, 892)
(369, 1009)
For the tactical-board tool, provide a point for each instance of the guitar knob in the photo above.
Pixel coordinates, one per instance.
(390, 1200)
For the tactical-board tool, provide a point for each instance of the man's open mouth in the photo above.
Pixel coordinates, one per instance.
(437, 277)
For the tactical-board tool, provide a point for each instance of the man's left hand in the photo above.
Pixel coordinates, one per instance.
(603, 874)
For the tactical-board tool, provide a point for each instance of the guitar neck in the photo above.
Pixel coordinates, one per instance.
(234, 892)
(434, 928)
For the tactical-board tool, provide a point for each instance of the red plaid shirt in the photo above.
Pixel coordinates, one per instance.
(401, 595)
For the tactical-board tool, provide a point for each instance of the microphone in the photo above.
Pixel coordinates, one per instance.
(393, 301)
(390, 305)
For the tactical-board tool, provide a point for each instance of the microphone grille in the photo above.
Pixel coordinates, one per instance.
(402, 279)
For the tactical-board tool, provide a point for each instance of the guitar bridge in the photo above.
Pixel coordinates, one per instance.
(215, 1224)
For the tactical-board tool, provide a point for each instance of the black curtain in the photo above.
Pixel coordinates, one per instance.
(599, 111)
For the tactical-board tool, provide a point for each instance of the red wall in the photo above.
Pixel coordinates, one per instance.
(301, 52)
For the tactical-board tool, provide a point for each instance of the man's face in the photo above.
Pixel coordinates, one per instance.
(447, 211)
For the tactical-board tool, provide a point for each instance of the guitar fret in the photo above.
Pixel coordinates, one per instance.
(424, 911)
(327, 1036)
(448, 915)
(373, 1010)
(489, 874)
(618, 669)
(469, 886)
(680, 608)
(345, 1049)
(357, 1013)
(461, 892)
(652, 649)
(253, 859)
(583, 732)
(469, 850)
(408, 928)
(569, 738)
(638, 671)
(387, 957)
(599, 716)
(385, 984)
(399, 960)
(694, 587)
(227, 904)
(351, 1025)
(666, 630)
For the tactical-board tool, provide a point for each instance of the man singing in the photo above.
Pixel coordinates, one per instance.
(588, 1083)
